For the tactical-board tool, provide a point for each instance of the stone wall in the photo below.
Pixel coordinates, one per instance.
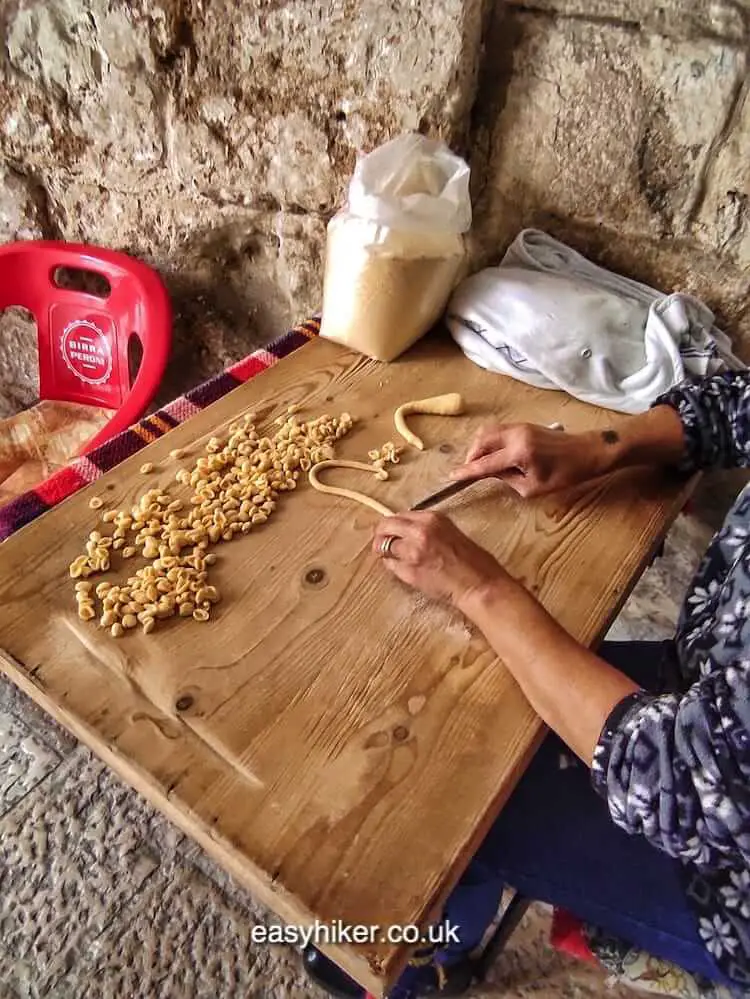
(215, 138)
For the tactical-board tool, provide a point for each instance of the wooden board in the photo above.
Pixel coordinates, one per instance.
(341, 744)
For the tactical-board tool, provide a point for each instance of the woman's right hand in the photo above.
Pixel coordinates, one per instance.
(535, 460)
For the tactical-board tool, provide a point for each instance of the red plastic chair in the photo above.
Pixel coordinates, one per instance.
(83, 337)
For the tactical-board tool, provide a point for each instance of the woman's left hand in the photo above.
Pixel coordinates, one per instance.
(428, 552)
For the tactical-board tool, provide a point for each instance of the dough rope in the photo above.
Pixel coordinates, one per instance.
(351, 494)
(451, 404)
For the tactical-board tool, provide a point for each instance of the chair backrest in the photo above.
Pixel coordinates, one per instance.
(83, 336)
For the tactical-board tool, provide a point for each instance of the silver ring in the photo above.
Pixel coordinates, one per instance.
(385, 546)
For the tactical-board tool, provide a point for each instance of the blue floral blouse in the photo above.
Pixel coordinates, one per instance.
(675, 768)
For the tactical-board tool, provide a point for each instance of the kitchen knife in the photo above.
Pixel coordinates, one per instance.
(444, 493)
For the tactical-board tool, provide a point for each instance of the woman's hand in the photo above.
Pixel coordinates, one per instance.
(429, 553)
(534, 460)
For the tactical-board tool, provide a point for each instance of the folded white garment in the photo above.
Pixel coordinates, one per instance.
(549, 317)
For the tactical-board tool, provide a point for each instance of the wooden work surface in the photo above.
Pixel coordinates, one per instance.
(341, 744)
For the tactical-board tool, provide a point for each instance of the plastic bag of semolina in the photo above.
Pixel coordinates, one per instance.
(395, 252)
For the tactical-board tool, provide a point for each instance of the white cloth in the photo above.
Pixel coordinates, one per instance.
(549, 317)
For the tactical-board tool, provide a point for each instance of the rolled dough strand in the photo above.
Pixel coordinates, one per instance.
(451, 404)
(349, 493)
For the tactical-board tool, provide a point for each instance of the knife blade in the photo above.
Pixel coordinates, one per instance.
(450, 490)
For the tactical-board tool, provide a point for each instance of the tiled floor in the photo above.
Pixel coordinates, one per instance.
(101, 897)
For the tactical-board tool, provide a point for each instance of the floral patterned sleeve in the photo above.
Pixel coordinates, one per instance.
(715, 413)
(675, 768)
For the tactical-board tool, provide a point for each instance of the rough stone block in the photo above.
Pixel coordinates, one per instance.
(603, 123)
(723, 222)
(87, 103)
(18, 211)
(722, 19)
(19, 362)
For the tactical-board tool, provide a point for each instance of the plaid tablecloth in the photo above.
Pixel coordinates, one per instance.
(81, 471)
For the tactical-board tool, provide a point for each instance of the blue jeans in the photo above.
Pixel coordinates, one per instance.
(555, 842)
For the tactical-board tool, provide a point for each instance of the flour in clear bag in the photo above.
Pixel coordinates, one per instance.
(394, 254)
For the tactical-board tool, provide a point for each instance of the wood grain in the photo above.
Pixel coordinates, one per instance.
(341, 744)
